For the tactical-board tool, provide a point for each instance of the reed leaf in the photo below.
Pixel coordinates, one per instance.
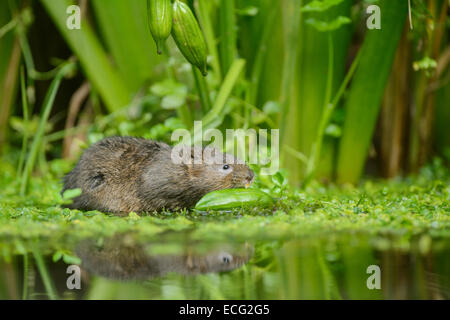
(114, 90)
(367, 90)
(227, 29)
(124, 26)
(9, 64)
(316, 74)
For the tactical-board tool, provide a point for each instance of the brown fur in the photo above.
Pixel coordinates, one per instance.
(121, 258)
(125, 174)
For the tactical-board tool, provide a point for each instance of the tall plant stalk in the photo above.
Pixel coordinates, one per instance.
(202, 9)
(43, 271)
(227, 34)
(225, 90)
(202, 89)
(319, 68)
(25, 111)
(47, 107)
(9, 66)
(366, 92)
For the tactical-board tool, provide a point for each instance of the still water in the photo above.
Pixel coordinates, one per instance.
(346, 266)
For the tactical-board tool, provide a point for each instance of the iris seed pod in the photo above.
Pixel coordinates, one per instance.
(159, 21)
(188, 36)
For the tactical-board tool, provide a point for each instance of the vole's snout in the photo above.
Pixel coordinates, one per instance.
(249, 178)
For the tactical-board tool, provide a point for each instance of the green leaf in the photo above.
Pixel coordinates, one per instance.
(367, 89)
(173, 101)
(30, 126)
(324, 26)
(69, 259)
(333, 130)
(57, 256)
(111, 86)
(279, 180)
(71, 193)
(271, 107)
(234, 198)
(165, 87)
(426, 63)
(173, 94)
(320, 6)
(250, 11)
(133, 216)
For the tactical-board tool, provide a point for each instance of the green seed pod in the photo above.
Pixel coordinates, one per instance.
(188, 36)
(233, 198)
(159, 21)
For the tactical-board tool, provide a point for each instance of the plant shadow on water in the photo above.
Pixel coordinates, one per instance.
(176, 267)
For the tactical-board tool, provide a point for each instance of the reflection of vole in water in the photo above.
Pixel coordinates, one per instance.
(119, 258)
(124, 174)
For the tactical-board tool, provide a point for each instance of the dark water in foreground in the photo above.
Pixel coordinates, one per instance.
(328, 267)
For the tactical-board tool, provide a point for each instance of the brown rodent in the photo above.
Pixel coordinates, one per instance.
(126, 174)
(122, 258)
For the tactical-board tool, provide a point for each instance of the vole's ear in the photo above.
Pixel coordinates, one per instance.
(212, 155)
(197, 155)
(182, 154)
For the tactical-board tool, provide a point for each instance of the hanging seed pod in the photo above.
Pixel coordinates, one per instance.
(159, 21)
(188, 36)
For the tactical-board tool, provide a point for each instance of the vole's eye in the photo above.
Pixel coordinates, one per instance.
(226, 167)
(226, 258)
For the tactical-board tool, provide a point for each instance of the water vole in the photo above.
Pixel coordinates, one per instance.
(124, 174)
(121, 257)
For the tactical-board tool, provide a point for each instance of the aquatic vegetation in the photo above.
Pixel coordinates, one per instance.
(354, 90)
(400, 208)
(314, 243)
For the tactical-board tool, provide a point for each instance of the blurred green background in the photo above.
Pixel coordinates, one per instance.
(353, 106)
(348, 100)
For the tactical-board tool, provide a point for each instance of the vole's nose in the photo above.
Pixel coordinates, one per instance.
(250, 175)
(249, 178)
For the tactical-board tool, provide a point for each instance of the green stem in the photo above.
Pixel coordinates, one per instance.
(25, 109)
(58, 135)
(28, 58)
(317, 145)
(26, 266)
(205, 21)
(183, 112)
(227, 29)
(328, 109)
(202, 89)
(260, 55)
(347, 79)
(48, 284)
(291, 43)
(7, 27)
(224, 92)
(47, 107)
(185, 115)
